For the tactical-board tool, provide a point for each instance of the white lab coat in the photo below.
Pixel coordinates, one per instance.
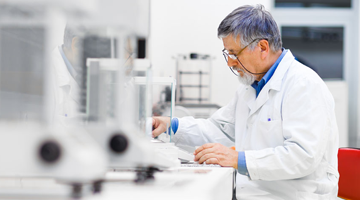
(289, 135)
(65, 93)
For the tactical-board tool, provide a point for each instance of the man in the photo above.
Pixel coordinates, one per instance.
(281, 121)
(66, 88)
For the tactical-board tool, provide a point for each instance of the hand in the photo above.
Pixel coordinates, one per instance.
(159, 125)
(215, 153)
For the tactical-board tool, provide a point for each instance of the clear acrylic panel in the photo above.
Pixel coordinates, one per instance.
(22, 72)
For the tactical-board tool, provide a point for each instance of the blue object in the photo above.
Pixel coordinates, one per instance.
(67, 63)
(242, 169)
(258, 85)
(175, 124)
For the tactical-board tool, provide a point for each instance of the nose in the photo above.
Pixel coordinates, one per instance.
(231, 62)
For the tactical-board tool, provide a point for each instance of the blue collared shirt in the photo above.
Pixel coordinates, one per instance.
(67, 62)
(258, 85)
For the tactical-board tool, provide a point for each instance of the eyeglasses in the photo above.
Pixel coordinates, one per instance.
(235, 57)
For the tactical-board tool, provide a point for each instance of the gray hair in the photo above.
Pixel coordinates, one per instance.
(250, 23)
(71, 32)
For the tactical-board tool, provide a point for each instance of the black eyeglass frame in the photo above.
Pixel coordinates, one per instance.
(226, 55)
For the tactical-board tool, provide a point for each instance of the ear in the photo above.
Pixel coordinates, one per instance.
(74, 44)
(264, 48)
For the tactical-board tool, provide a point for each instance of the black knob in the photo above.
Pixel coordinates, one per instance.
(194, 56)
(97, 186)
(50, 151)
(118, 143)
(76, 190)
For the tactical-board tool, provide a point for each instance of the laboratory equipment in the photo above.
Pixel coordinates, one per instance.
(173, 151)
(193, 91)
(31, 145)
(107, 93)
(30, 150)
(196, 70)
(185, 156)
(115, 128)
(159, 81)
(164, 141)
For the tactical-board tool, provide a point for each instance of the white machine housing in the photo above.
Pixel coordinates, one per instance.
(79, 159)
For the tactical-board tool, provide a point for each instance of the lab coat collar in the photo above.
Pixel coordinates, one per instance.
(74, 90)
(276, 80)
(274, 83)
(250, 96)
(64, 77)
(69, 66)
(62, 74)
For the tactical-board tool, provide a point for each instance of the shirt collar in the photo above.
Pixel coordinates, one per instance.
(258, 85)
(272, 69)
(67, 62)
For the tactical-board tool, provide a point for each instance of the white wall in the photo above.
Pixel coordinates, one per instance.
(354, 113)
(186, 26)
(339, 90)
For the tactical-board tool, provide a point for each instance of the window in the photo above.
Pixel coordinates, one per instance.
(313, 3)
(320, 48)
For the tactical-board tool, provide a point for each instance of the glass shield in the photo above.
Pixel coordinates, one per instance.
(163, 103)
(25, 39)
(108, 93)
(143, 86)
(157, 98)
(21, 63)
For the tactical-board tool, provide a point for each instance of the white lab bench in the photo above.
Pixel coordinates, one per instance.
(185, 183)
(198, 183)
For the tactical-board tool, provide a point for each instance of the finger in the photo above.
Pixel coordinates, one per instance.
(155, 122)
(203, 152)
(207, 157)
(212, 161)
(157, 127)
(158, 130)
(205, 146)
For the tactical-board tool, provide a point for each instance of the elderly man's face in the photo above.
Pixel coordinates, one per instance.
(247, 58)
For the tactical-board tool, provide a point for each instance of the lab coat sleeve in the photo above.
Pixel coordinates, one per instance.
(219, 128)
(306, 126)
